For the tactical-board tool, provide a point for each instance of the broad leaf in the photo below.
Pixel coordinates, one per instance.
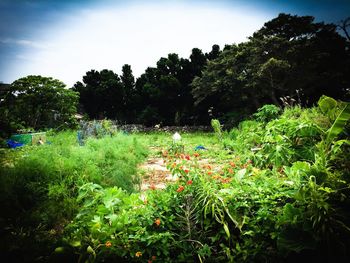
(339, 123)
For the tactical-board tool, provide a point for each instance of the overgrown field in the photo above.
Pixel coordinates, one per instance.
(273, 189)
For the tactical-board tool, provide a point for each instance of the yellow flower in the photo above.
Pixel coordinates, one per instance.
(138, 254)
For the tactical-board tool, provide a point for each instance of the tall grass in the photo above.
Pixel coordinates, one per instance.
(39, 184)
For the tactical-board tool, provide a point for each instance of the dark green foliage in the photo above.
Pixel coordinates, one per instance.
(102, 94)
(267, 113)
(161, 95)
(288, 56)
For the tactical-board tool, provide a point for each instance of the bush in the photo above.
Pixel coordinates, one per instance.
(267, 113)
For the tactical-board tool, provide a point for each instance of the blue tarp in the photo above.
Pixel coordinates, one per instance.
(199, 147)
(13, 144)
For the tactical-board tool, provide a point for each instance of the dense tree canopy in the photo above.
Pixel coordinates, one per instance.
(37, 102)
(288, 56)
(160, 95)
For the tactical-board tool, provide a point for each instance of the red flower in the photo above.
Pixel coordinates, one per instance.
(187, 157)
(180, 189)
(186, 171)
(210, 172)
(225, 180)
(189, 182)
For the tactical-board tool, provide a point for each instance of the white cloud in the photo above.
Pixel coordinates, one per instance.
(137, 35)
(24, 43)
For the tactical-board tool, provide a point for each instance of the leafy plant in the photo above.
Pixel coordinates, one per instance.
(267, 113)
(215, 124)
(339, 123)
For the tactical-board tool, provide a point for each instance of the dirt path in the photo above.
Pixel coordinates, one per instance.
(156, 175)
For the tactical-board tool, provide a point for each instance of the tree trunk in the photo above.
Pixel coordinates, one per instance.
(273, 97)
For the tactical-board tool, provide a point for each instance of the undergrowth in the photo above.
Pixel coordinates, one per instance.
(274, 189)
(39, 184)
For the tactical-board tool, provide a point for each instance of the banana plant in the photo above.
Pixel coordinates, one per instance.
(339, 124)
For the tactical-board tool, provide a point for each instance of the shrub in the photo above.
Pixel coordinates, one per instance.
(267, 113)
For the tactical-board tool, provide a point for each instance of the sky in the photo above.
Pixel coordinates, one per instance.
(66, 38)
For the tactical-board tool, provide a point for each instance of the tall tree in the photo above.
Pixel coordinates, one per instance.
(38, 102)
(102, 94)
(130, 96)
(214, 53)
(287, 54)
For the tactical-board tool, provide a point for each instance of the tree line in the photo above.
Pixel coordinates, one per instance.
(291, 59)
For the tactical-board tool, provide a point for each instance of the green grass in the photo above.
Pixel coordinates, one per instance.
(39, 184)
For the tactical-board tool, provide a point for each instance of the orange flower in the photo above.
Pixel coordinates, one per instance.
(157, 222)
(187, 157)
(230, 170)
(233, 164)
(189, 182)
(108, 244)
(225, 180)
(186, 171)
(138, 254)
(182, 156)
(210, 172)
(180, 189)
(209, 167)
(196, 154)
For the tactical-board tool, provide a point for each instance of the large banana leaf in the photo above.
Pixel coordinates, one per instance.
(339, 123)
(327, 104)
